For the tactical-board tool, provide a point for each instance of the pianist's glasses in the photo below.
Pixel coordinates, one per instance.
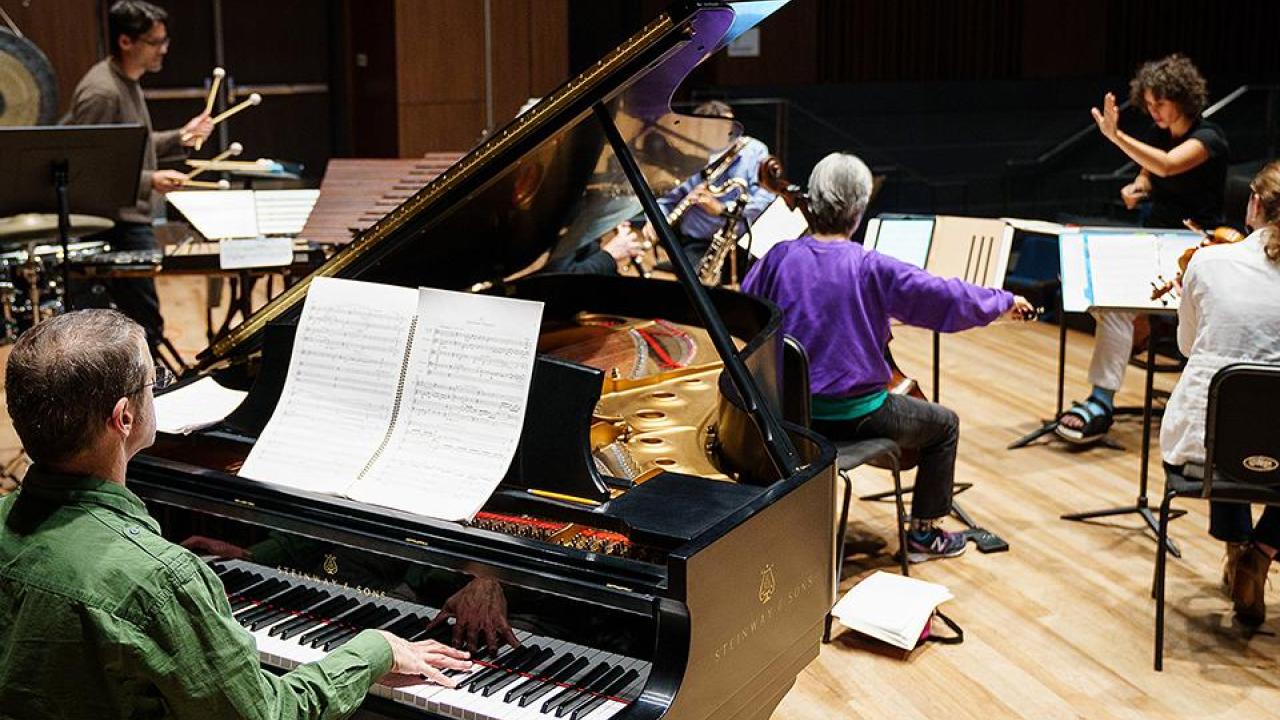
(163, 379)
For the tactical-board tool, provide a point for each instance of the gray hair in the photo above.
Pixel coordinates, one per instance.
(65, 376)
(839, 190)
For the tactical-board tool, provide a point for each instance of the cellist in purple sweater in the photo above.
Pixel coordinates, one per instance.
(837, 299)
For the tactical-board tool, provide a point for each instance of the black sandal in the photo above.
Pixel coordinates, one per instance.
(1097, 419)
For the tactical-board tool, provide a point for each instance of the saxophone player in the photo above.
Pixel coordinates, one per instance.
(704, 217)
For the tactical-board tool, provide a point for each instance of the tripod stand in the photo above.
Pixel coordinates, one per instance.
(1140, 506)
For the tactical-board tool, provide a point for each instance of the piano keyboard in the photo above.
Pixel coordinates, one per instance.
(298, 620)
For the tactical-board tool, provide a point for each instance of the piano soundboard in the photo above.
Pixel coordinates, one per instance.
(296, 620)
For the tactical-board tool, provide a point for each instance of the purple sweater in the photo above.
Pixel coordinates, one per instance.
(837, 298)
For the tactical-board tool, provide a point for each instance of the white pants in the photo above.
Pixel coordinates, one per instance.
(1112, 345)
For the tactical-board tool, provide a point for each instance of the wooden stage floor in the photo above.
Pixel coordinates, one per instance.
(1061, 625)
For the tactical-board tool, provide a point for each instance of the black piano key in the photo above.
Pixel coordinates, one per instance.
(218, 568)
(384, 616)
(317, 635)
(314, 618)
(233, 580)
(339, 625)
(295, 605)
(406, 626)
(586, 693)
(590, 703)
(533, 661)
(552, 682)
(576, 687)
(257, 593)
(241, 581)
(513, 663)
(272, 605)
(497, 668)
(550, 674)
(441, 633)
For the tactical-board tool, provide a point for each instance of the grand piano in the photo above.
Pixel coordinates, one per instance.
(664, 539)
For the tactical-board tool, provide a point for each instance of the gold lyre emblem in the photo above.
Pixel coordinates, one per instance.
(330, 564)
(768, 583)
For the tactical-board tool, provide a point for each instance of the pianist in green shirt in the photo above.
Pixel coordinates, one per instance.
(99, 615)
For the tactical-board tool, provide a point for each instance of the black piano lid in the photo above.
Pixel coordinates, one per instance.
(499, 208)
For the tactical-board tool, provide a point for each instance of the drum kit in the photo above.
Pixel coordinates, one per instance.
(31, 261)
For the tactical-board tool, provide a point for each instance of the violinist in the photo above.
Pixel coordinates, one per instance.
(1183, 176)
(1230, 312)
(837, 299)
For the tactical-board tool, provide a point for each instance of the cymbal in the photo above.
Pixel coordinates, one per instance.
(23, 228)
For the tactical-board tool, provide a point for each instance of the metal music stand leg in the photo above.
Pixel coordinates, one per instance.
(1049, 426)
(1140, 506)
(937, 360)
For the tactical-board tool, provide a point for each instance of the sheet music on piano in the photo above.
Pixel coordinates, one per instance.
(407, 399)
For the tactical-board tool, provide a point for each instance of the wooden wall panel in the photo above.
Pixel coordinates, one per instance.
(67, 32)
(440, 50)
(440, 65)
(512, 57)
(549, 45)
(427, 127)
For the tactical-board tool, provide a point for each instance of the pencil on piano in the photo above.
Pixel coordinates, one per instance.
(564, 498)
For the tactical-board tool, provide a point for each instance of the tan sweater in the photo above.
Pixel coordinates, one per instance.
(106, 96)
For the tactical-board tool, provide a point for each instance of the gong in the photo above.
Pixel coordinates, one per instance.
(28, 88)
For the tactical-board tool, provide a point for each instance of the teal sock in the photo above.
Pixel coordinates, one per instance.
(1104, 396)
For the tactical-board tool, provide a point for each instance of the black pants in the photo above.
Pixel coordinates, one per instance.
(135, 297)
(914, 424)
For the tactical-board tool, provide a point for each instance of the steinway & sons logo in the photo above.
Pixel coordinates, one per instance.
(762, 620)
(768, 583)
(1260, 463)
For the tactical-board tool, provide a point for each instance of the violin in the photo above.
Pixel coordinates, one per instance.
(772, 179)
(1223, 235)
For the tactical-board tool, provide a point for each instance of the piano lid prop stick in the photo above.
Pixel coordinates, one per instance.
(235, 149)
(202, 185)
(254, 99)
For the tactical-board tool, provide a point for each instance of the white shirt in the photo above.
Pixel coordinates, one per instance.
(1230, 312)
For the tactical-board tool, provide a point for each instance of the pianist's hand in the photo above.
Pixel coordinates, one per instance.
(426, 658)
(479, 611)
(200, 544)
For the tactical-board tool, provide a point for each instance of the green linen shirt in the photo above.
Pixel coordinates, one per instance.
(101, 617)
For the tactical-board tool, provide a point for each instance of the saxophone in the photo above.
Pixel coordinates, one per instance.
(713, 259)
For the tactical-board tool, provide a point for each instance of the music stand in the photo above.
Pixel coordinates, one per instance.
(1115, 269)
(103, 162)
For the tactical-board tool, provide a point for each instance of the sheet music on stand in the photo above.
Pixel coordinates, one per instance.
(975, 250)
(232, 214)
(1117, 268)
(254, 228)
(778, 223)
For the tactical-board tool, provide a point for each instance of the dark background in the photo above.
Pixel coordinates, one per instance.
(951, 100)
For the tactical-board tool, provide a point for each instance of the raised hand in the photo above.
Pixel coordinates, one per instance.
(1108, 119)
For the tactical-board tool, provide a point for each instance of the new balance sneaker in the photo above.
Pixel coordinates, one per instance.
(933, 544)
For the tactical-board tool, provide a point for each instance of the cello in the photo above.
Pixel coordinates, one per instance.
(773, 179)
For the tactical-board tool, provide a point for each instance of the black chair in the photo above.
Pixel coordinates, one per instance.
(796, 408)
(1242, 458)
